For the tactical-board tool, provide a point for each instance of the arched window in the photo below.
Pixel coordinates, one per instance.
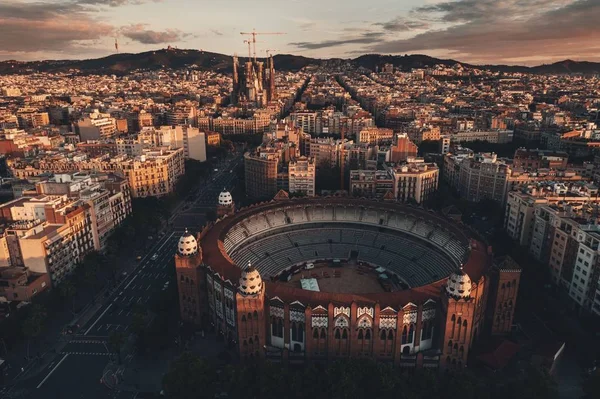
(345, 334)
(368, 334)
(411, 334)
(458, 323)
(255, 314)
(182, 278)
(453, 318)
(406, 350)
(360, 334)
(404, 335)
(294, 332)
(390, 335)
(323, 334)
(315, 333)
(450, 345)
(301, 332)
(243, 319)
(249, 316)
(337, 333)
(382, 335)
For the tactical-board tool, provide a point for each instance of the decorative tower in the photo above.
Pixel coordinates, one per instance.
(191, 283)
(458, 311)
(225, 205)
(506, 277)
(250, 303)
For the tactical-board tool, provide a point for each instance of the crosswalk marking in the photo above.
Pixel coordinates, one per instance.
(76, 341)
(87, 353)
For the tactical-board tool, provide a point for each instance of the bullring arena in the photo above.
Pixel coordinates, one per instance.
(320, 278)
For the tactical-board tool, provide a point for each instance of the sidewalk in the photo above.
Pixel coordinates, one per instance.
(145, 373)
(53, 340)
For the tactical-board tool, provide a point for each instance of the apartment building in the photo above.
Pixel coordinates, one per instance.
(536, 159)
(375, 135)
(326, 151)
(191, 139)
(402, 149)
(58, 245)
(154, 173)
(372, 183)
(567, 240)
(261, 171)
(415, 181)
(96, 126)
(519, 216)
(258, 124)
(32, 118)
(483, 177)
(301, 176)
(20, 284)
(493, 136)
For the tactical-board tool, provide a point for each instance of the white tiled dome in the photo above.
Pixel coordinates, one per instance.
(187, 244)
(459, 285)
(250, 281)
(225, 198)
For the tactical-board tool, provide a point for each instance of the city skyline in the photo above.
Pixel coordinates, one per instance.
(482, 31)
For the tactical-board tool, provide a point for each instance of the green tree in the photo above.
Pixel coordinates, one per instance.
(116, 340)
(191, 377)
(68, 291)
(591, 387)
(34, 324)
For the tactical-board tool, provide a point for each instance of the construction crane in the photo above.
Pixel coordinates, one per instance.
(249, 43)
(270, 52)
(116, 45)
(254, 33)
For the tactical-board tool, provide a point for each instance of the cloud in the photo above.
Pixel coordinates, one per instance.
(364, 38)
(139, 33)
(217, 32)
(115, 3)
(503, 30)
(38, 26)
(400, 24)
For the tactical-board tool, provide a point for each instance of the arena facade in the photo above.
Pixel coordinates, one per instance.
(321, 278)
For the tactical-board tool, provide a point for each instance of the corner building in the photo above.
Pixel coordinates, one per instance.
(428, 310)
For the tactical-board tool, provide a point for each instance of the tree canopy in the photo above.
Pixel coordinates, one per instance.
(190, 377)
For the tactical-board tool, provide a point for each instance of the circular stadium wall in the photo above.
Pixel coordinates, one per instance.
(440, 271)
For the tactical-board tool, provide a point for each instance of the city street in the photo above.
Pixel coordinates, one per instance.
(193, 215)
(76, 370)
(86, 353)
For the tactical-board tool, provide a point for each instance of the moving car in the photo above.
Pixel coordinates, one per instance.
(154, 257)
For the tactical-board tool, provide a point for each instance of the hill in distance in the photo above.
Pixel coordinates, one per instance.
(178, 58)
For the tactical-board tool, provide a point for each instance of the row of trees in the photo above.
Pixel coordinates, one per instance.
(191, 376)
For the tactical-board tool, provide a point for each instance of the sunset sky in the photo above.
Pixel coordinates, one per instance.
(526, 32)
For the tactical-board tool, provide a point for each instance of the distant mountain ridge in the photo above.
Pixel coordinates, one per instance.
(176, 58)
